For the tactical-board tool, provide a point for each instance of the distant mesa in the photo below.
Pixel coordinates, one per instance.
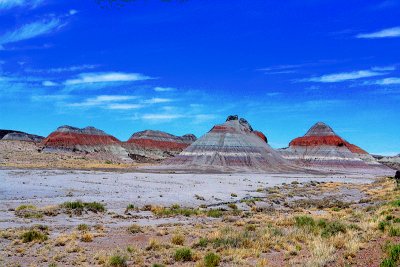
(232, 145)
(150, 145)
(322, 148)
(322, 134)
(88, 140)
(11, 135)
(69, 137)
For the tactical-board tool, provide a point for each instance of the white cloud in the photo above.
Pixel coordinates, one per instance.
(102, 100)
(389, 81)
(63, 69)
(161, 117)
(384, 68)
(30, 31)
(73, 12)
(164, 89)
(344, 76)
(385, 33)
(103, 77)
(49, 83)
(123, 106)
(157, 100)
(8, 4)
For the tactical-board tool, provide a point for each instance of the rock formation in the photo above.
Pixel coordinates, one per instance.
(87, 140)
(322, 148)
(232, 145)
(149, 145)
(20, 136)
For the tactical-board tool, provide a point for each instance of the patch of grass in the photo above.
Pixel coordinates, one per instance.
(83, 227)
(117, 260)
(394, 231)
(134, 229)
(80, 206)
(304, 222)
(178, 239)
(130, 207)
(203, 242)
(33, 235)
(211, 260)
(158, 265)
(174, 211)
(87, 237)
(333, 228)
(393, 256)
(395, 203)
(183, 254)
(232, 206)
(28, 211)
(382, 225)
(250, 227)
(214, 213)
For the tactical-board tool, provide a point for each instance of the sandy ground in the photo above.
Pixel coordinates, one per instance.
(117, 190)
(266, 201)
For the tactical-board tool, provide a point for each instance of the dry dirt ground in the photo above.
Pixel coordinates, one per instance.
(88, 218)
(16, 154)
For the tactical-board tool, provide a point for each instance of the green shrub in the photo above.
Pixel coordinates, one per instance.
(214, 213)
(134, 229)
(395, 203)
(183, 254)
(203, 242)
(393, 256)
(211, 260)
(117, 260)
(333, 228)
(79, 206)
(95, 207)
(33, 235)
(158, 265)
(304, 222)
(382, 225)
(83, 227)
(232, 206)
(178, 239)
(394, 231)
(396, 220)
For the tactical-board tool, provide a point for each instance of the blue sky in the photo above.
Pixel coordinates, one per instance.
(183, 66)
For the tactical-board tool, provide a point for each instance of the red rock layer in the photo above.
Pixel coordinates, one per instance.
(261, 135)
(71, 139)
(331, 140)
(156, 144)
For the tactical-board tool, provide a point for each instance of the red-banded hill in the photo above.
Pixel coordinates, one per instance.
(230, 146)
(156, 145)
(322, 148)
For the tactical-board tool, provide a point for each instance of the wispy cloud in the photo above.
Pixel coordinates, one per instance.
(49, 83)
(102, 100)
(30, 31)
(385, 33)
(123, 106)
(104, 77)
(389, 81)
(64, 69)
(157, 100)
(282, 69)
(8, 4)
(164, 89)
(344, 76)
(161, 117)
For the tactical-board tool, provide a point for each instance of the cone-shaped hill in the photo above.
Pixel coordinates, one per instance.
(232, 145)
(88, 139)
(151, 145)
(322, 148)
